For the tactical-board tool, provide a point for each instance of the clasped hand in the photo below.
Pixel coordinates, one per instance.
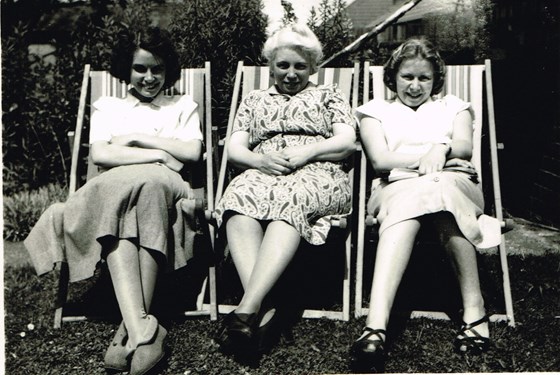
(433, 161)
(285, 161)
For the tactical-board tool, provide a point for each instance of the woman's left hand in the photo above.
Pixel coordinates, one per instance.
(298, 156)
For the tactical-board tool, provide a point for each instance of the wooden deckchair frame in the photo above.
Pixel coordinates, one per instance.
(467, 82)
(193, 81)
(257, 77)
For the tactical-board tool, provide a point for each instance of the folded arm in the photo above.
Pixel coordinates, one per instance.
(382, 159)
(139, 149)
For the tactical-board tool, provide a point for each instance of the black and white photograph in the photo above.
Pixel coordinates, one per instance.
(197, 187)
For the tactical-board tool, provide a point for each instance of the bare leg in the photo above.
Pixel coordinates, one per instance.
(463, 259)
(245, 236)
(393, 253)
(125, 268)
(149, 269)
(279, 245)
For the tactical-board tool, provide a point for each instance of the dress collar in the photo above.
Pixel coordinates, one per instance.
(423, 105)
(273, 90)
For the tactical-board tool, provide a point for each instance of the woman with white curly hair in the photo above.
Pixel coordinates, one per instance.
(290, 140)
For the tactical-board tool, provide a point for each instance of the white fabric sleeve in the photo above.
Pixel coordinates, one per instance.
(374, 108)
(456, 104)
(188, 127)
(103, 119)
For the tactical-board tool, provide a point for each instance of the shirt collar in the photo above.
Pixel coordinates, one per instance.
(158, 101)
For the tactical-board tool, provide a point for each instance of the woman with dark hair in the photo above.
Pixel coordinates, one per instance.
(125, 216)
(420, 131)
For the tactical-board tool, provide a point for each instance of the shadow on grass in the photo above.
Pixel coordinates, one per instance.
(321, 346)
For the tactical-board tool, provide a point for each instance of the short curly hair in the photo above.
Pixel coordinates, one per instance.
(298, 37)
(410, 49)
(151, 39)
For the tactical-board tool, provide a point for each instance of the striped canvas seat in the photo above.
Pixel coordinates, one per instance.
(250, 78)
(471, 83)
(194, 82)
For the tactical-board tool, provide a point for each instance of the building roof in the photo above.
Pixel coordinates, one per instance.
(369, 13)
(362, 12)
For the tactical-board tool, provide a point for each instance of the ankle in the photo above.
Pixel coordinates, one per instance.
(473, 313)
(373, 334)
(144, 331)
(267, 316)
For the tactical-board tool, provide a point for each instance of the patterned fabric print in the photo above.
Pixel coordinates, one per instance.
(306, 197)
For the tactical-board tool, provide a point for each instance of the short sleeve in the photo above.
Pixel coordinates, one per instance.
(455, 105)
(244, 115)
(188, 127)
(375, 108)
(105, 114)
(340, 110)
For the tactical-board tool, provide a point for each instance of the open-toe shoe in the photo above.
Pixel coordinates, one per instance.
(367, 354)
(236, 331)
(150, 350)
(117, 355)
(469, 340)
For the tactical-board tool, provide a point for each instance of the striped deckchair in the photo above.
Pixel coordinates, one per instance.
(194, 82)
(250, 78)
(470, 83)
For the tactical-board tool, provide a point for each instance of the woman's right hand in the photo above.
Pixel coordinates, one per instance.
(433, 160)
(171, 162)
(275, 164)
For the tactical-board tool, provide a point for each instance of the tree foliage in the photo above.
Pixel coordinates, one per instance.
(332, 26)
(462, 35)
(222, 33)
(289, 13)
(40, 99)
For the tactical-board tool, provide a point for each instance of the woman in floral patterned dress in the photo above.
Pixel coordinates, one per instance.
(291, 141)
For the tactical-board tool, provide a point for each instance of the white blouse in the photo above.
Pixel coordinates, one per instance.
(168, 117)
(414, 132)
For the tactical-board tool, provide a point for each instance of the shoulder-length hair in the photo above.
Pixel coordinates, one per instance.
(298, 37)
(410, 49)
(154, 40)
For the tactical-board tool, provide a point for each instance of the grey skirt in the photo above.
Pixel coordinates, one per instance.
(147, 204)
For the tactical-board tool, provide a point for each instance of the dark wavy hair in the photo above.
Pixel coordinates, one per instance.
(412, 48)
(153, 40)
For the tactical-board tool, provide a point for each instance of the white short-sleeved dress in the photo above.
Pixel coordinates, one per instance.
(306, 197)
(414, 132)
(143, 202)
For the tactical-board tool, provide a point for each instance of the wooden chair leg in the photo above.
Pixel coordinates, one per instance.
(62, 273)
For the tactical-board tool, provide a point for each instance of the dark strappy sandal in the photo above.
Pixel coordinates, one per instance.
(367, 353)
(476, 344)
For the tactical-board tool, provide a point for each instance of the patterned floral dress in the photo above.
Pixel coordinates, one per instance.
(306, 197)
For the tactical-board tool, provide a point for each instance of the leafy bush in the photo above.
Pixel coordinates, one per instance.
(222, 33)
(40, 100)
(462, 36)
(22, 210)
(333, 27)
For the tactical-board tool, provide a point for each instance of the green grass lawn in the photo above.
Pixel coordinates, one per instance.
(321, 346)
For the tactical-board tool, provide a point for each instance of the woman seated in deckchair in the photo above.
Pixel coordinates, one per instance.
(125, 216)
(290, 140)
(418, 131)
